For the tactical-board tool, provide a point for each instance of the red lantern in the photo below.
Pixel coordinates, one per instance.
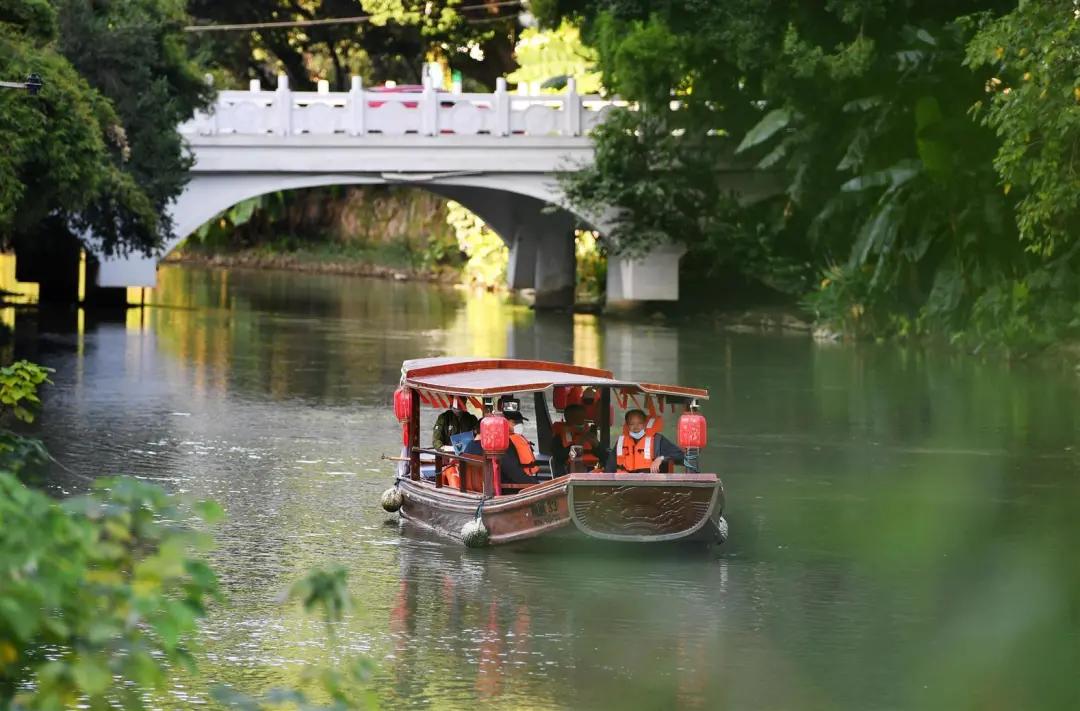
(560, 396)
(692, 431)
(495, 433)
(403, 404)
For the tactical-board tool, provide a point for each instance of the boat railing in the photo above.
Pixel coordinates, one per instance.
(442, 454)
(443, 457)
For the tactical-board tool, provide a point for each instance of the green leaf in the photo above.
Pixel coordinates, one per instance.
(168, 629)
(241, 212)
(774, 157)
(765, 129)
(863, 104)
(209, 511)
(91, 675)
(894, 176)
(935, 153)
(856, 152)
(878, 231)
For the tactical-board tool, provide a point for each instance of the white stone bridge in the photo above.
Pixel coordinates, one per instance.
(497, 154)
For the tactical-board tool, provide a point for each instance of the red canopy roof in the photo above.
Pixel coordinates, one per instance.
(495, 376)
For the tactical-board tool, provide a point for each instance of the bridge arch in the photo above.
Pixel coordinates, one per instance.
(540, 239)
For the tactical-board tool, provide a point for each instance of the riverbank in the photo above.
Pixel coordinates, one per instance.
(787, 320)
(316, 261)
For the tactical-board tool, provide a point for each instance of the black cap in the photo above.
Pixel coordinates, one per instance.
(514, 416)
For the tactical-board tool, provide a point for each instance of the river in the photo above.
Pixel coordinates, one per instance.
(903, 523)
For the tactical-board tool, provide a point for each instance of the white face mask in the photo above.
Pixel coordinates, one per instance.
(519, 429)
(638, 435)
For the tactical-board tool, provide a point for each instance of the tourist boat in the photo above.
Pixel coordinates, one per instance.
(622, 507)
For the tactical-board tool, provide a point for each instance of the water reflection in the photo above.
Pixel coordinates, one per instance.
(902, 521)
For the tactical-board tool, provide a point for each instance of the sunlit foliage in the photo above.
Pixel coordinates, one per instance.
(892, 207)
(1033, 104)
(550, 57)
(391, 44)
(100, 593)
(487, 254)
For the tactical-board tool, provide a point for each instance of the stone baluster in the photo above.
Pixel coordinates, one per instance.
(572, 109)
(283, 106)
(255, 87)
(357, 108)
(429, 109)
(502, 108)
(210, 124)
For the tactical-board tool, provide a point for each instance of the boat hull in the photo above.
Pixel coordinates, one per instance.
(623, 508)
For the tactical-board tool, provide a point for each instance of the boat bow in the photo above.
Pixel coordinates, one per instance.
(644, 508)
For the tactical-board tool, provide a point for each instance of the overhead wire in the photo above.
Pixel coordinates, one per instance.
(281, 24)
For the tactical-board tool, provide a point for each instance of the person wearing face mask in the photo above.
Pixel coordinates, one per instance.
(451, 422)
(518, 465)
(641, 448)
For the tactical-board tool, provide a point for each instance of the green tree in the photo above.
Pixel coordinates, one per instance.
(1033, 104)
(96, 152)
(474, 37)
(61, 146)
(889, 216)
(552, 56)
(93, 589)
(135, 54)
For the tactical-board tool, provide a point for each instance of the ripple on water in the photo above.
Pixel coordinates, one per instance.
(876, 500)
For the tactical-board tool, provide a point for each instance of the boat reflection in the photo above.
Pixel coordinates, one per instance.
(545, 630)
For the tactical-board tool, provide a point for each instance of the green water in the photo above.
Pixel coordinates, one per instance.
(904, 524)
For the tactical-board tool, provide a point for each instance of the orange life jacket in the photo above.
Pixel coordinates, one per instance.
(474, 476)
(525, 454)
(568, 437)
(452, 476)
(636, 455)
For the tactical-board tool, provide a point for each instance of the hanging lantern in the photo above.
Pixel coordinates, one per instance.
(495, 433)
(692, 430)
(559, 396)
(403, 404)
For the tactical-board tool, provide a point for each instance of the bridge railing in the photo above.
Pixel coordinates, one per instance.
(360, 112)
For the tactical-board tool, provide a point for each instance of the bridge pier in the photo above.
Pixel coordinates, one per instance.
(521, 269)
(540, 239)
(542, 256)
(556, 262)
(652, 277)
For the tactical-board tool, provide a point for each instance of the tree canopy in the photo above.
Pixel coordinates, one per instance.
(476, 37)
(899, 152)
(96, 151)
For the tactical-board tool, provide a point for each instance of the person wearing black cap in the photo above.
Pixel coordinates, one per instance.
(518, 465)
(451, 422)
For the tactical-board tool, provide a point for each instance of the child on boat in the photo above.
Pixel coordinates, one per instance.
(641, 448)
